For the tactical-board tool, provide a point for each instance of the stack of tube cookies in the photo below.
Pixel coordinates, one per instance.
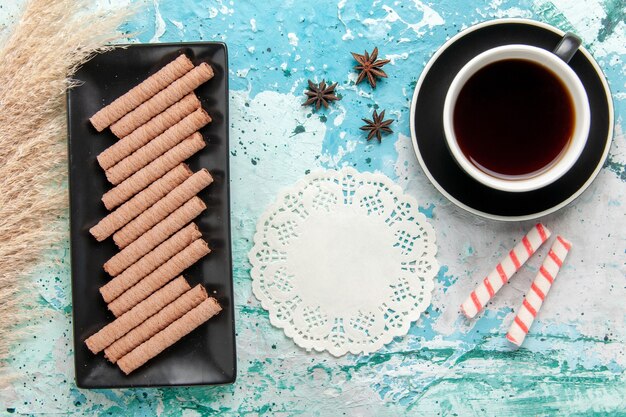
(153, 203)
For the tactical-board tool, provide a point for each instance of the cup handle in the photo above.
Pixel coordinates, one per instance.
(567, 47)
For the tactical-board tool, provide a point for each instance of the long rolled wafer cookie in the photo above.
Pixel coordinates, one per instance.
(172, 312)
(538, 291)
(142, 92)
(168, 336)
(148, 263)
(174, 199)
(157, 146)
(162, 100)
(504, 270)
(148, 131)
(153, 171)
(140, 202)
(123, 324)
(159, 277)
(154, 237)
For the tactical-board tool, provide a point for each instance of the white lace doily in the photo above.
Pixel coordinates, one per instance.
(343, 261)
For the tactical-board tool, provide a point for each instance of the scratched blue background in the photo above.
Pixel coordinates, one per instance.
(572, 363)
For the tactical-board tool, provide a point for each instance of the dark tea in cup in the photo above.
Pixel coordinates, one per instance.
(514, 118)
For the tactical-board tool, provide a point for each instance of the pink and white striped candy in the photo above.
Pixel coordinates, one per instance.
(538, 291)
(504, 270)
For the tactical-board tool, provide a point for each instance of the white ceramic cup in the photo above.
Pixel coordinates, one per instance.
(556, 62)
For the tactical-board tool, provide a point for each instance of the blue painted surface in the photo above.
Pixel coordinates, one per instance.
(573, 362)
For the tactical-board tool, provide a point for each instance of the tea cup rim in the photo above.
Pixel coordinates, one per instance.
(581, 108)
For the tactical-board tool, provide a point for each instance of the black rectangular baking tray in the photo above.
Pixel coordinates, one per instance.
(207, 355)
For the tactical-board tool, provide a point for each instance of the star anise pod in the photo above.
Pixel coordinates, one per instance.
(370, 67)
(377, 126)
(320, 94)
